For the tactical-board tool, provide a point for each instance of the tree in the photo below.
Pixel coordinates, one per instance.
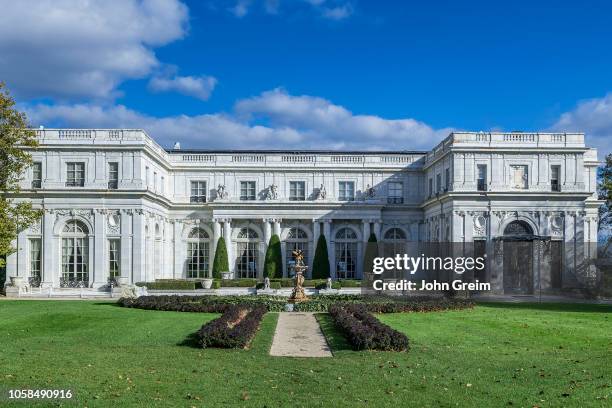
(604, 189)
(16, 139)
(371, 252)
(320, 264)
(220, 264)
(273, 264)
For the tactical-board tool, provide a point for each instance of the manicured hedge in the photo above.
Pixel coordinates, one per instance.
(234, 329)
(273, 285)
(170, 285)
(320, 264)
(350, 283)
(317, 303)
(365, 332)
(241, 283)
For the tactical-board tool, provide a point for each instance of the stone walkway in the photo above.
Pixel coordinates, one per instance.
(299, 335)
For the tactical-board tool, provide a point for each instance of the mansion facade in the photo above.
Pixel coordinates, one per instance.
(116, 204)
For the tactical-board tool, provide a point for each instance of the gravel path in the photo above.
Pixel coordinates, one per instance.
(299, 335)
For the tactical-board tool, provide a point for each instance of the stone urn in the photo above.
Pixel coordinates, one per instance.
(123, 281)
(226, 275)
(17, 281)
(207, 283)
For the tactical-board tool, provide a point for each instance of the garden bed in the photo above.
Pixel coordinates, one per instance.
(234, 329)
(317, 303)
(364, 331)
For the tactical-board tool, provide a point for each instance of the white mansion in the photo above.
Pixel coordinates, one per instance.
(117, 204)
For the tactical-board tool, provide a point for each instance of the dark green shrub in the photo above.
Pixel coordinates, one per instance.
(320, 264)
(220, 264)
(216, 284)
(169, 284)
(240, 283)
(273, 261)
(350, 283)
(371, 252)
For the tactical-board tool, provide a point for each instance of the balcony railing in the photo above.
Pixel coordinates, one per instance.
(75, 183)
(198, 199)
(554, 185)
(395, 200)
(113, 185)
(482, 185)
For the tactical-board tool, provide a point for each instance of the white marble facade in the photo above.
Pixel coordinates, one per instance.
(115, 201)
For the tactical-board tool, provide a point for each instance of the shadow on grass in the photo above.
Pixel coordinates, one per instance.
(109, 303)
(334, 337)
(551, 307)
(190, 341)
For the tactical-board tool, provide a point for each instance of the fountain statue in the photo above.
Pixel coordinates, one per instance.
(298, 294)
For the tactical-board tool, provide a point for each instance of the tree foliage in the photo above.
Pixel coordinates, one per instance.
(220, 263)
(16, 140)
(604, 189)
(273, 263)
(320, 264)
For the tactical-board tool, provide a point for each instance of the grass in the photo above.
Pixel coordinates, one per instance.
(494, 355)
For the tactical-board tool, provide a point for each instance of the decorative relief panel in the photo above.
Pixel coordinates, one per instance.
(113, 224)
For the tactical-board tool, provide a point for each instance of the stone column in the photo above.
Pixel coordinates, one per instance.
(178, 272)
(227, 234)
(216, 236)
(267, 231)
(277, 227)
(316, 230)
(50, 267)
(126, 245)
(138, 254)
(100, 272)
(366, 230)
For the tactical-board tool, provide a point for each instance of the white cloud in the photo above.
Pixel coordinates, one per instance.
(241, 8)
(199, 87)
(337, 13)
(65, 49)
(594, 117)
(301, 122)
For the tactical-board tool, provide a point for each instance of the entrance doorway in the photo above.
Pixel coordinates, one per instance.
(518, 258)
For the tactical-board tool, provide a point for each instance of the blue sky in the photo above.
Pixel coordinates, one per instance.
(339, 74)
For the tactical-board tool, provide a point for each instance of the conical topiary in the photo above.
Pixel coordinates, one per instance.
(220, 264)
(273, 263)
(320, 264)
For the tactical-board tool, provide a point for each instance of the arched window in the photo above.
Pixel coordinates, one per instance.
(75, 255)
(296, 239)
(346, 253)
(198, 253)
(518, 228)
(247, 243)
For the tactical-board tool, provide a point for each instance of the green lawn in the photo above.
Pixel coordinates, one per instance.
(495, 355)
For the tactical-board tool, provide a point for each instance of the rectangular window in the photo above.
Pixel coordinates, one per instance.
(395, 192)
(198, 192)
(430, 187)
(446, 179)
(438, 183)
(520, 177)
(113, 176)
(346, 191)
(114, 266)
(555, 185)
(247, 190)
(482, 177)
(35, 258)
(297, 190)
(147, 177)
(37, 175)
(163, 185)
(75, 175)
(155, 181)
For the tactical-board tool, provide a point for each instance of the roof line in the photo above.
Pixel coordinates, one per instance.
(286, 151)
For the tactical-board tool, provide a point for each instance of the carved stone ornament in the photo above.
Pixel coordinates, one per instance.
(114, 224)
(272, 192)
(480, 225)
(222, 193)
